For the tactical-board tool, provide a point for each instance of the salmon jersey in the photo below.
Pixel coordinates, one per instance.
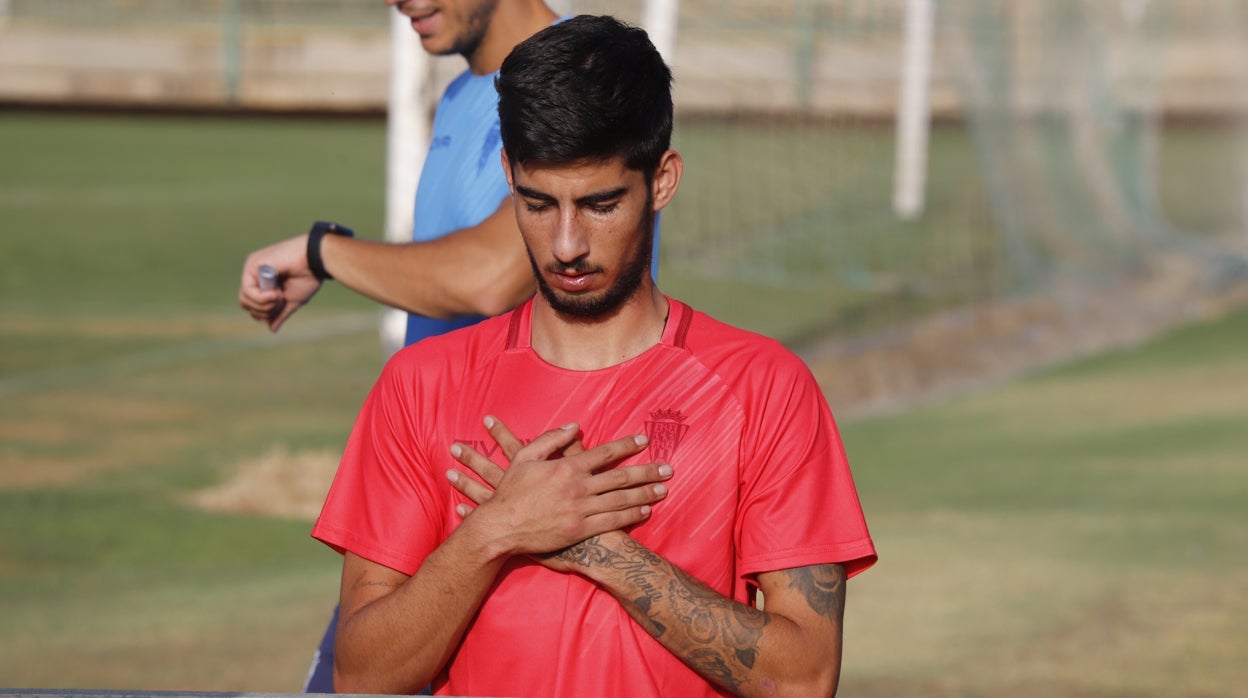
(760, 483)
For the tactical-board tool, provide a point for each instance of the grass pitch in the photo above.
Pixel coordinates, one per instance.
(1077, 533)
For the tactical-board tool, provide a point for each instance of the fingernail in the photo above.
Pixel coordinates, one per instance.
(456, 449)
(645, 509)
(489, 422)
(665, 470)
(461, 509)
(641, 440)
(660, 490)
(452, 475)
(569, 426)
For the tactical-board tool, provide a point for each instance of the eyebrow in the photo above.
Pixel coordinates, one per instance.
(601, 197)
(533, 193)
(587, 200)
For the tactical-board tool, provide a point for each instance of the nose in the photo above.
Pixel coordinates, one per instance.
(570, 243)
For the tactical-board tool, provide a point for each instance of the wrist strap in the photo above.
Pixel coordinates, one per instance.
(318, 231)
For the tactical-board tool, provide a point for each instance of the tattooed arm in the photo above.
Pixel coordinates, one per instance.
(792, 648)
(384, 612)
(395, 632)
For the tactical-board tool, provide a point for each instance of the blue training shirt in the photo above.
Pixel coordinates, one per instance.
(462, 181)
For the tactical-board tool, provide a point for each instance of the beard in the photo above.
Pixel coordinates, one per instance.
(603, 303)
(476, 23)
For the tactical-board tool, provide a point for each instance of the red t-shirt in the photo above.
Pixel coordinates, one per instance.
(760, 484)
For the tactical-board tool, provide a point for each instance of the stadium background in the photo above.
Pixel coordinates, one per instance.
(1087, 186)
(1086, 170)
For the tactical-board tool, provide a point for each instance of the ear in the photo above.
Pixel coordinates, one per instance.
(507, 171)
(666, 178)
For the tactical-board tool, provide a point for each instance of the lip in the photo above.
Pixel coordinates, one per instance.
(422, 18)
(572, 283)
(425, 25)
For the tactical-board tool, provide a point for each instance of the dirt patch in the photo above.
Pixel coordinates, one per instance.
(971, 348)
(17, 472)
(163, 327)
(278, 483)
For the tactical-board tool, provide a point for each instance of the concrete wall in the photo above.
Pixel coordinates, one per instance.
(327, 69)
(193, 67)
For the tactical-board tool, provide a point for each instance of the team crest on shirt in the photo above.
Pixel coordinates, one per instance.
(665, 429)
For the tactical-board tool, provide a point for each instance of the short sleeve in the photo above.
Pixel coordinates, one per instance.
(385, 504)
(798, 505)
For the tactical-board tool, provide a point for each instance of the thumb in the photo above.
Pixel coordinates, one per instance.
(283, 311)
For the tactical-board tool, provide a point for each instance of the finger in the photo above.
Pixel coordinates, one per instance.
(628, 477)
(250, 299)
(259, 314)
(574, 448)
(249, 283)
(549, 443)
(502, 436)
(598, 524)
(472, 459)
(259, 305)
(632, 498)
(258, 302)
(470, 488)
(279, 314)
(609, 453)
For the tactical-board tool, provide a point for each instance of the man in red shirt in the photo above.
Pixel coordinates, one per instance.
(583, 496)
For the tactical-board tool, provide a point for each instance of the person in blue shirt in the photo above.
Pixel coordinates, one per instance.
(466, 259)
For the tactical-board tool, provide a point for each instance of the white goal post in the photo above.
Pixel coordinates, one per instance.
(407, 137)
(659, 20)
(914, 111)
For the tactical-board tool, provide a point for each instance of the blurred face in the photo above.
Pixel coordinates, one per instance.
(589, 229)
(448, 26)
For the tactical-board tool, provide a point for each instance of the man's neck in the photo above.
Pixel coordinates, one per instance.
(512, 23)
(589, 345)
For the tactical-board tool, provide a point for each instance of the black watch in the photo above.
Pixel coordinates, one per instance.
(318, 231)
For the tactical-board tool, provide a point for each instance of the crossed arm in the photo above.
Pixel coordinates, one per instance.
(395, 632)
(559, 504)
(482, 270)
(791, 648)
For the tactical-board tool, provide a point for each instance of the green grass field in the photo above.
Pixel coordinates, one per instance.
(1076, 533)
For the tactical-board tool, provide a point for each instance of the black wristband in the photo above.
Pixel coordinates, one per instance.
(318, 231)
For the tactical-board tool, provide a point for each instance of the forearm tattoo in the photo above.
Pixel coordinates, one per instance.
(592, 553)
(588, 553)
(723, 635)
(720, 638)
(363, 581)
